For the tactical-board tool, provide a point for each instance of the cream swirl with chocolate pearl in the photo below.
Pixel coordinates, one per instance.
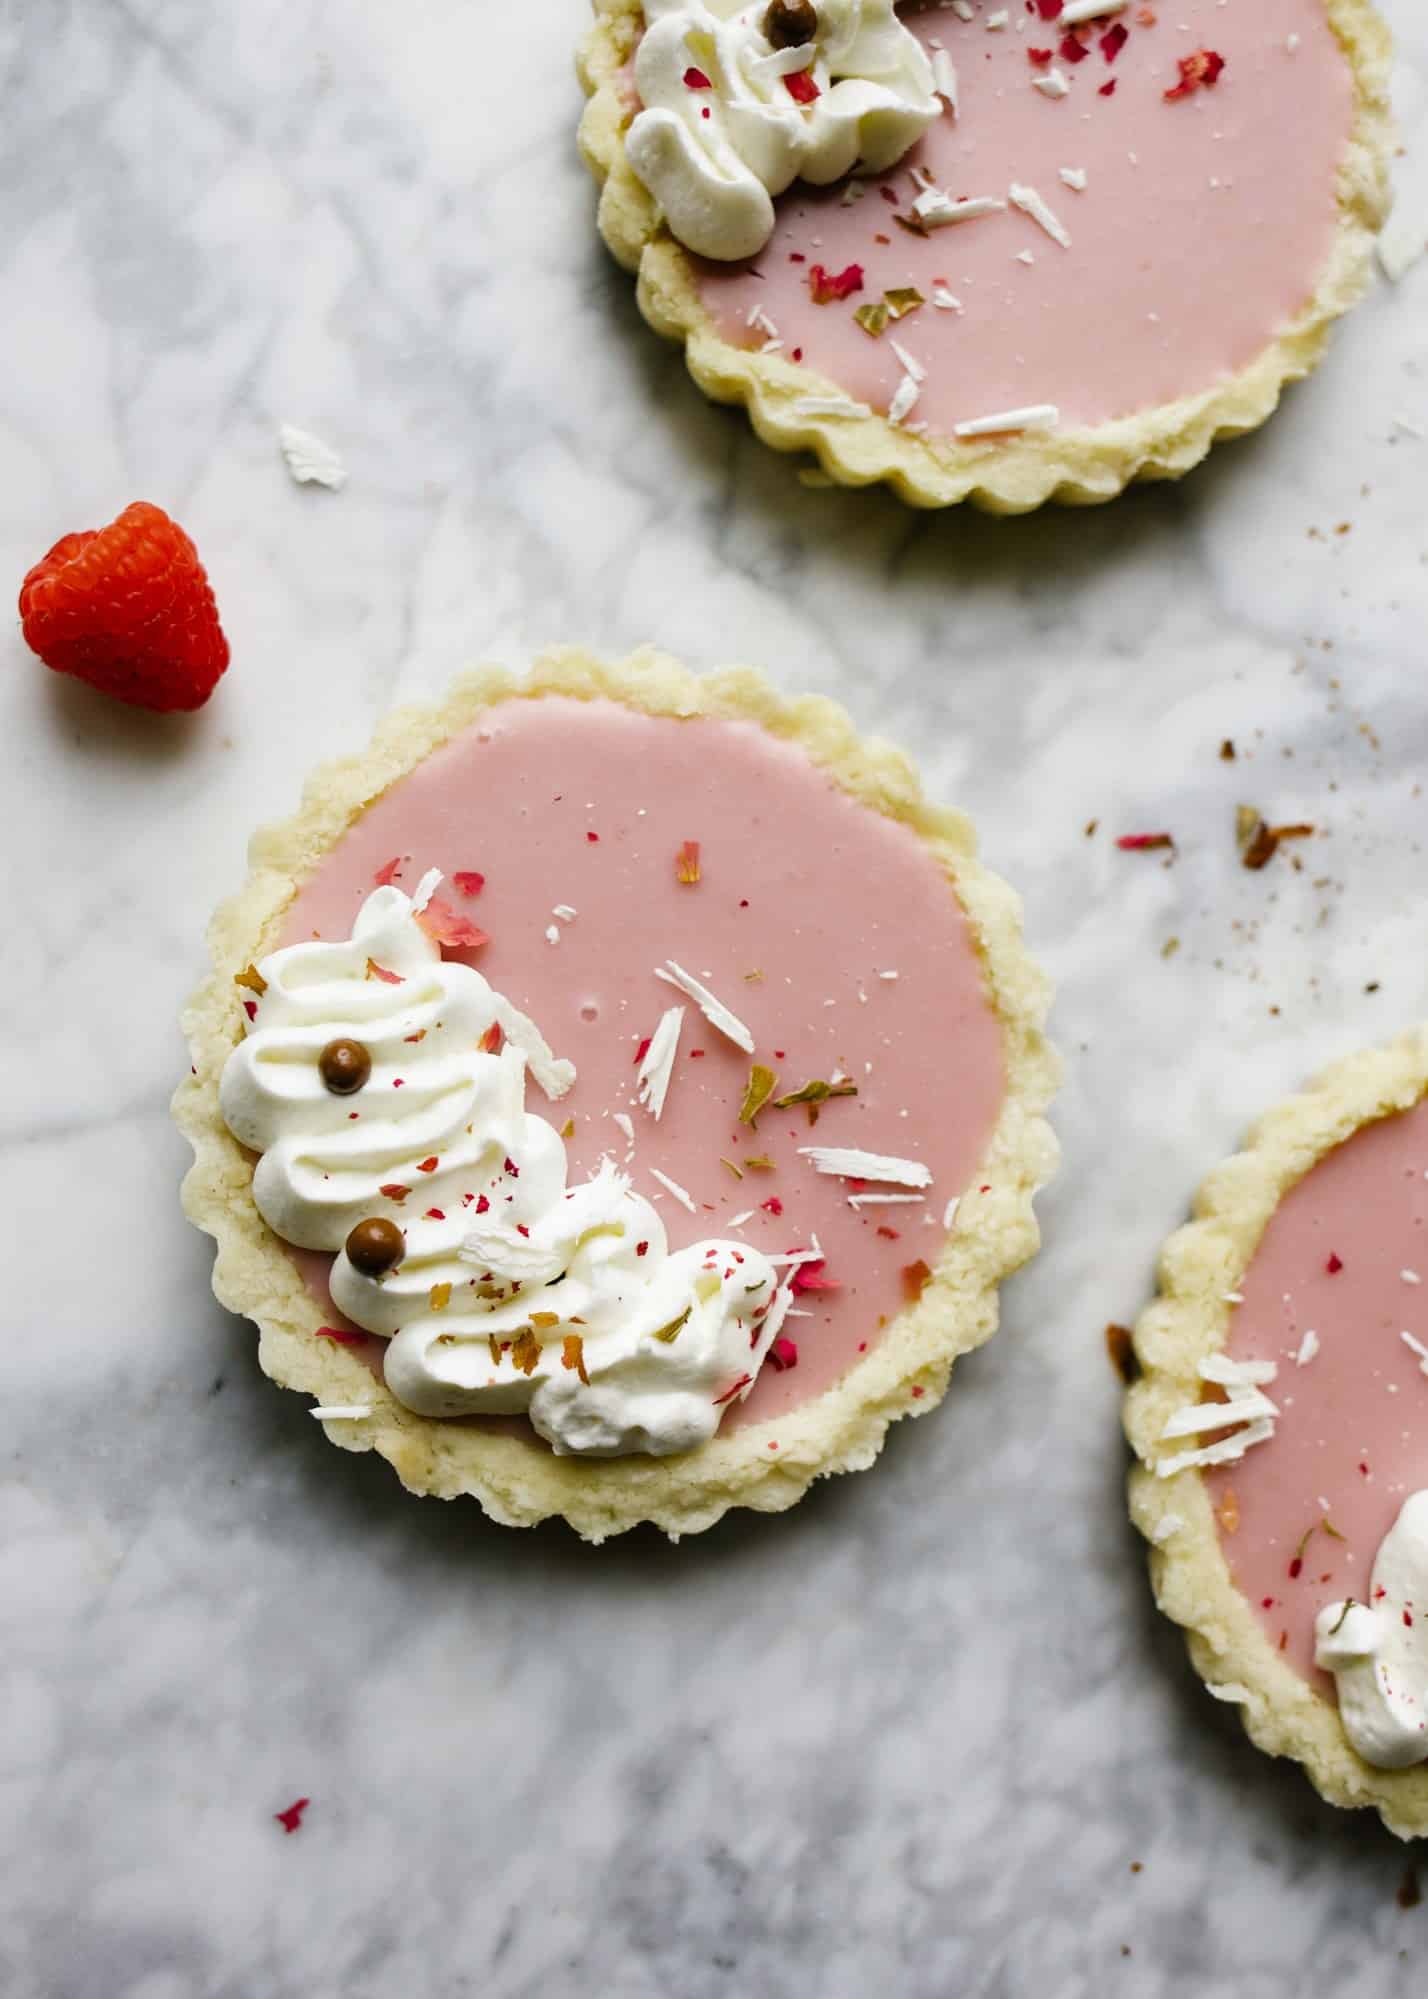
(741, 101)
(501, 1288)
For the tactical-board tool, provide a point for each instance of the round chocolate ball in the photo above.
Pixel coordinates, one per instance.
(790, 24)
(375, 1246)
(344, 1067)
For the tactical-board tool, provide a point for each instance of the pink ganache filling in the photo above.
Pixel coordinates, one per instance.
(1351, 1442)
(1204, 225)
(807, 903)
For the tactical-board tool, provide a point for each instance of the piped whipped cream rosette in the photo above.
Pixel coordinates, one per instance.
(1282, 1426)
(618, 1095)
(511, 1292)
(1006, 254)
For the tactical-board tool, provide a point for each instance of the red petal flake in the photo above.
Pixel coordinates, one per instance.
(1107, 89)
(428, 1165)
(773, 1205)
(1202, 68)
(483, 1204)
(686, 864)
(695, 79)
(1113, 41)
(642, 1051)
(730, 1393)
(250, 1007)
(809, 1277)
(1335, 1263)
(593, 838)
(448, 927)
(434, 1215)
(1071, 50)
(376, 971)
(827, 286)
(467, 882)
(801, 87)
(1038, 58)
(783, 1354)
(389, 870)
(492, 1040)
(1144, 843)
(290, 1818)
(892, 1235)
(394, 1190)
(1048, 9)
(341, 1337)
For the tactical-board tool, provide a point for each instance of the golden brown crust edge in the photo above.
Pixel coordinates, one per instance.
(1189, 1320)
(1074, 467)
(517, 1481)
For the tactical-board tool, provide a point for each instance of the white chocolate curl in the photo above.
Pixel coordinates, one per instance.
(715, 157)
(498, 1247)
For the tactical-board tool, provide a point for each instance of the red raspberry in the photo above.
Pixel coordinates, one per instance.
(129, 610)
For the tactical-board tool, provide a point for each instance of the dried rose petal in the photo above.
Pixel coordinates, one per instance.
(290, 1818)
(467, 882)
(448, 927)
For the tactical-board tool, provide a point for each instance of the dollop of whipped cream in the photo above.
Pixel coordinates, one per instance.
(1378, 1651)
(515, 1292)
(721, 133)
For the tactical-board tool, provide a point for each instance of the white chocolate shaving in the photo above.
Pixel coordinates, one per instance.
(673, 1187)
(310, 461)
(847, 1163)
(653, 1080)
(1031, 203)
(713, 1010)
(1035, 416)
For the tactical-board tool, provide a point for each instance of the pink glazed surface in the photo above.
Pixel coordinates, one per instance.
(1203, 229)
(1352, 1436)
(800, 882)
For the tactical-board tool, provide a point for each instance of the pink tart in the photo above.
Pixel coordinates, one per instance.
(619, 1095)
(1009, 254)
(1282, 1427)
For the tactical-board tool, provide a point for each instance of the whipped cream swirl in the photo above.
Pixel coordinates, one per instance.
(515, 1293)
(721, 132)
(1378, 1651)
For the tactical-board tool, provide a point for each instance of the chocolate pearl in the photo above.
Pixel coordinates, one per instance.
(375, 1246)
(789, 24)
(344, 1067)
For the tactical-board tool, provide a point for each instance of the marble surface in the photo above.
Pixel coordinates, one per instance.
(918, 1735)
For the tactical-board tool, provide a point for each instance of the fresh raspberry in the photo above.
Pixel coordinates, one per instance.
(128, 608)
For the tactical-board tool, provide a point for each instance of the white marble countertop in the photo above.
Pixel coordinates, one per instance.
(918, 1735)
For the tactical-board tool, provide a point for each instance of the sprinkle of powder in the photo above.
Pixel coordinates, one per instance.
(713, 1010)
(673, 1187)
(1308, 1347)
(1034, 416)
(351, 1412)
(847, 1163)
(658, 1064)
(310, 461)
(1042, 214)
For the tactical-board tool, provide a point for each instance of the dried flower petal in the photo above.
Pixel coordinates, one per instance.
(376, 971)
(290, 1818)
(762, 1084)
(914, 1280)
(439, 1297)
(467, 882)
(686, 864)
(339, 1336)
(827, 287)
(572, 1355)
(448, 927)
(525, 1352)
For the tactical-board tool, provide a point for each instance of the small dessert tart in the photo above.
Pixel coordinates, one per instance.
(1282, 1428)
(1006, 254)
(618, 1095)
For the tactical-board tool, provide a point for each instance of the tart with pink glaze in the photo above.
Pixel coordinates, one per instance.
(1281, 1423)
(618, 1095)
(1006, 254)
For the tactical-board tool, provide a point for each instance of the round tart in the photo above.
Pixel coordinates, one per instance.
(1001, 254)
(618, 1095)
(1282, 1426)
